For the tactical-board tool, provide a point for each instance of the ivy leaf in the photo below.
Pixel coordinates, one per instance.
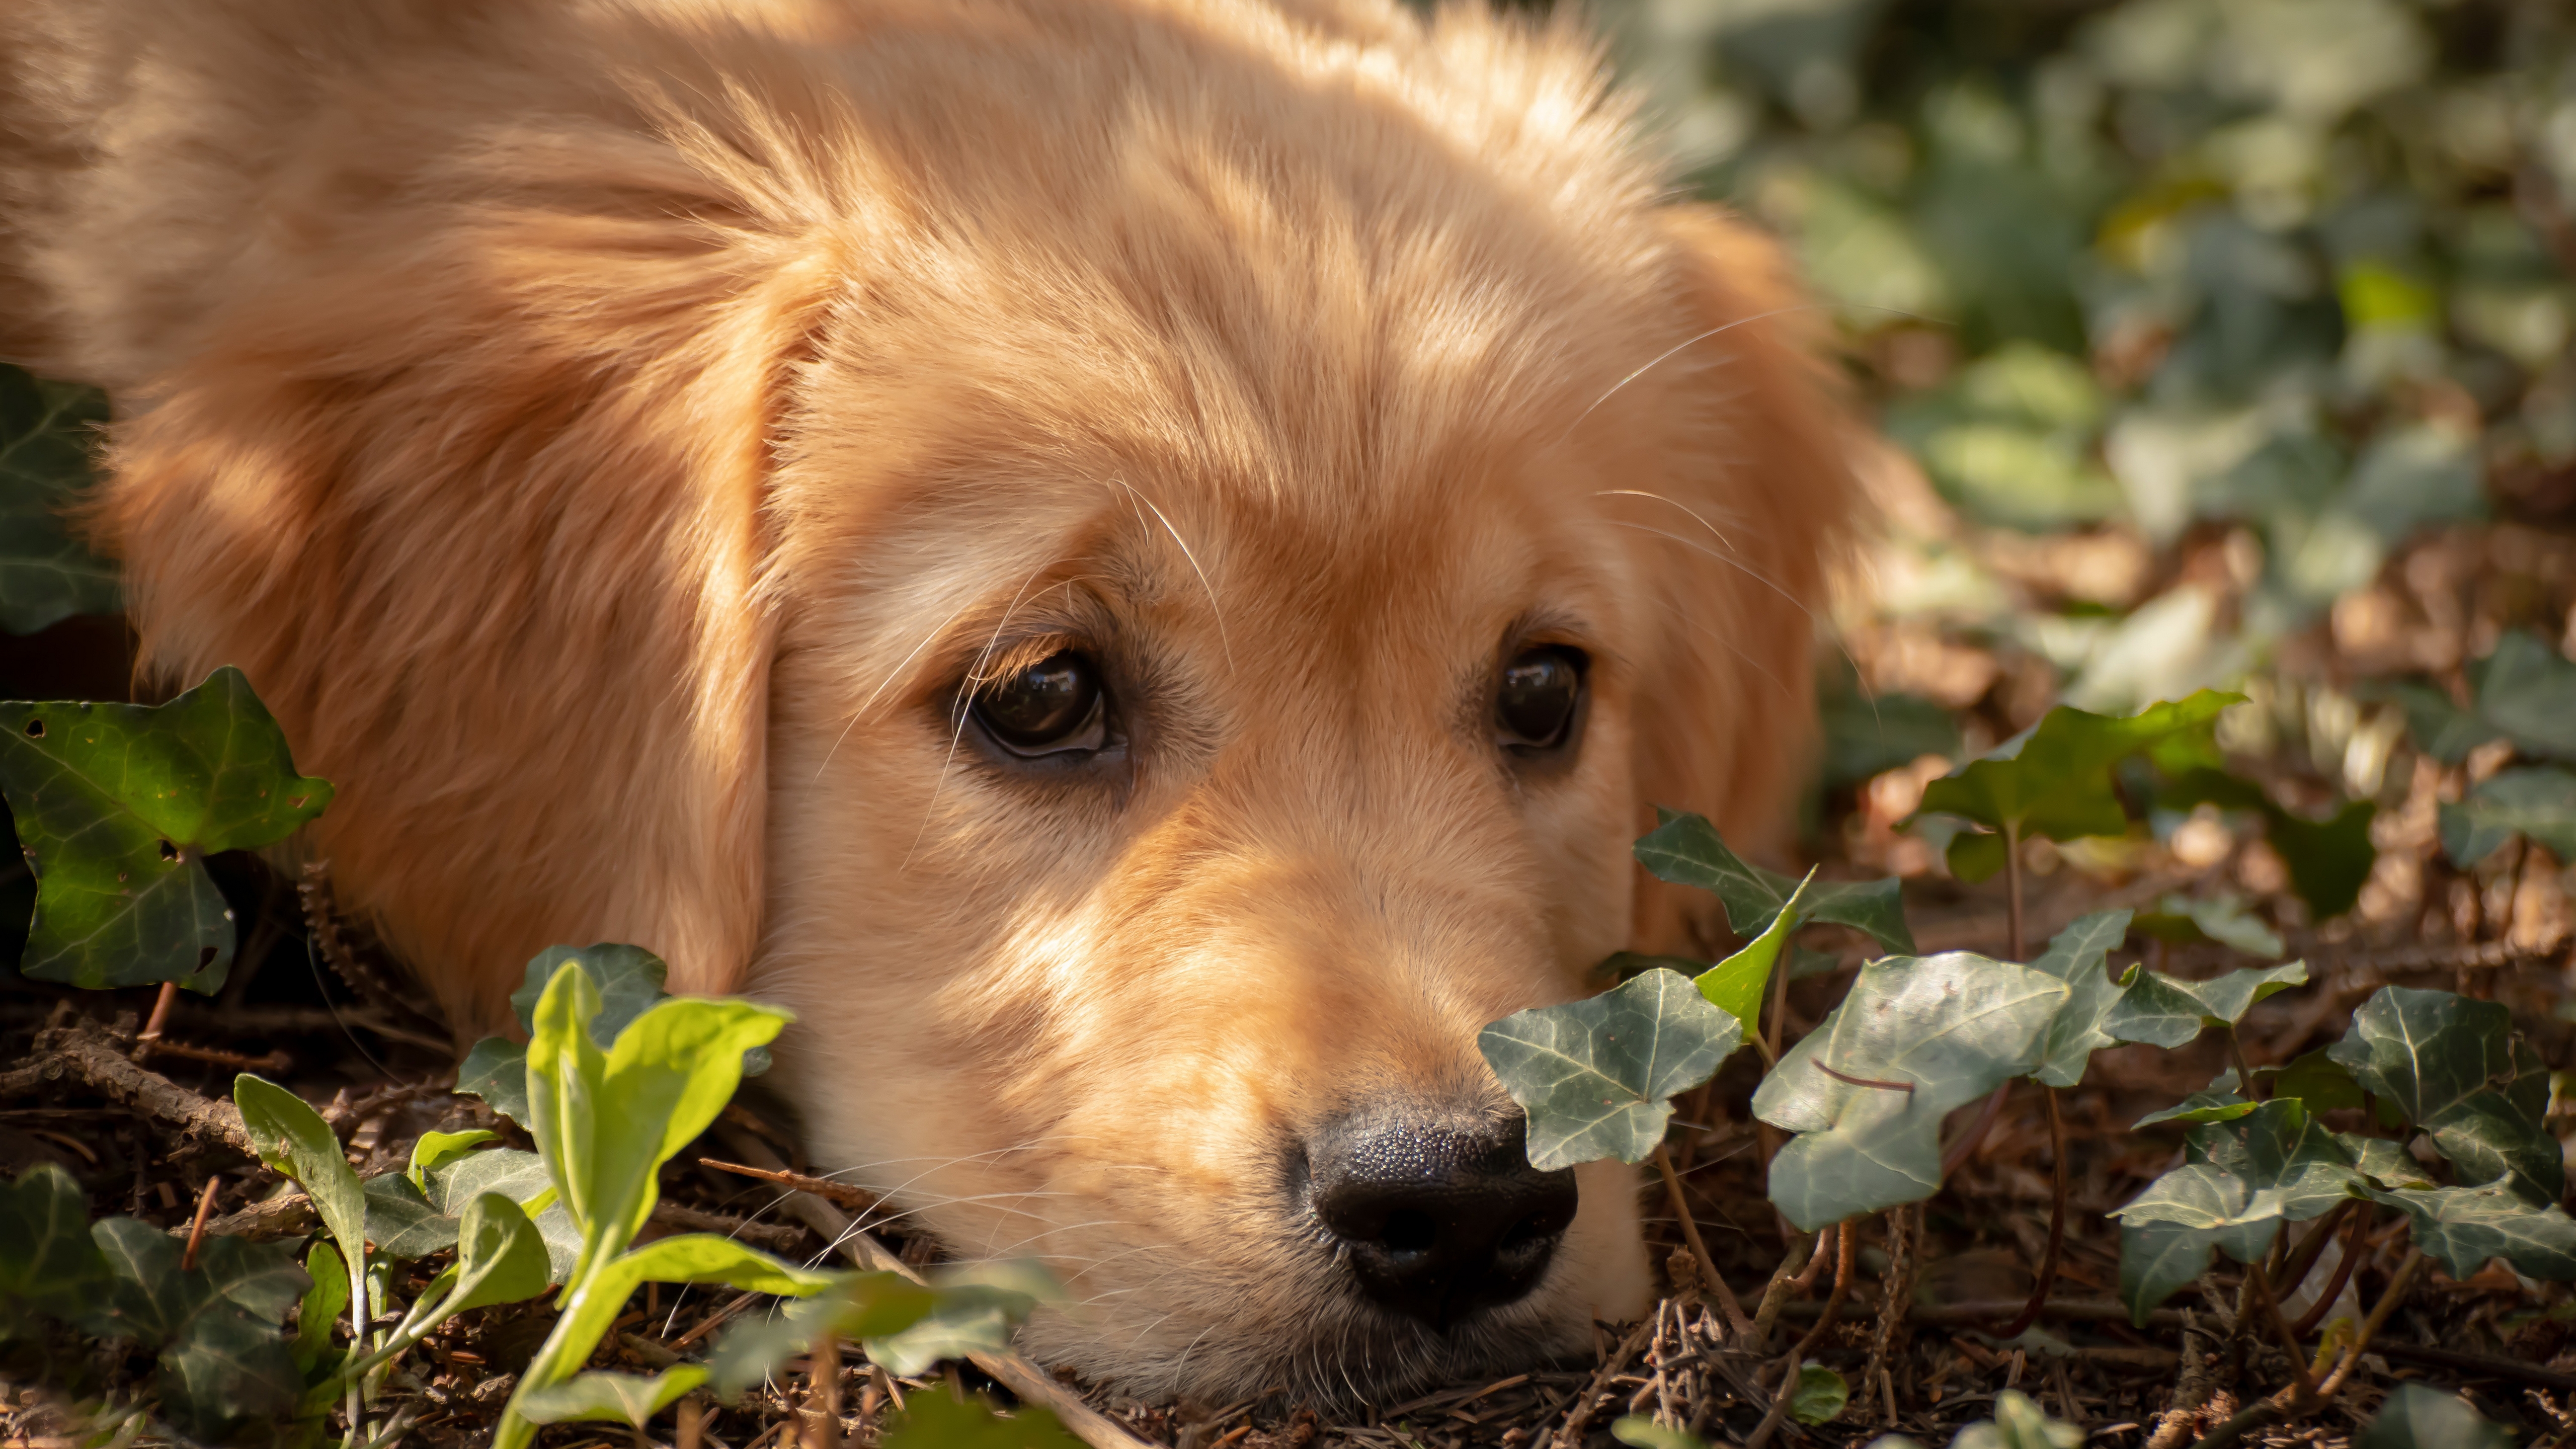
(2220, 1101)
(2527, 690)
(46, 431)
(117, 805)
(496, 1070)
(2168, 1232)
(223, 1360)
(934, 1419)
(2419, 1416)
(400, 1221)
(2075, 956)
(977, 1306)
(2223, 918)
(2054, 779)
(2329, 860)
(1866, 1090)
(2441, 729)
(1736, 984)
(1686, 850)
(1596, 1076)
(2540, 803)
(49, 1264)
(1820, 1395)
(2317, 1079)
(2465, 1226)
(2295, 1166)
(619, 1398)
(2168, 1013)
(628, 980)
(2454, 1067)
(2385, 1162)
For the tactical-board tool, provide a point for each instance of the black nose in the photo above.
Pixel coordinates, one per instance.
(1438, 1217)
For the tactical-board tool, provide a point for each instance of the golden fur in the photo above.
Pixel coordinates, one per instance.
(613, 434)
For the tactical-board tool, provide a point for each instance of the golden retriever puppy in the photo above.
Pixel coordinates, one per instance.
(1139, 563)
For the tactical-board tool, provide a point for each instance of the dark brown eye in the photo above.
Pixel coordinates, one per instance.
(1048, 708)
(1534, 710)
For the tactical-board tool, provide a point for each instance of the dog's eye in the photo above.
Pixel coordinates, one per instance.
(1050, 707)
(1535, 708)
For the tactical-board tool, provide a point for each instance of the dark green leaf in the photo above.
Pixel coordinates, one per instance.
(618, 1398)
(2441, 729)
(870, 1306)
(628, 978)
(117, 805)
(2208, 1106)
(223, 1359)
(2540, 803)
(2168, 1013)
(1685, 849)
(2419, 1416)
(2529, 692)
(1867, 1089)
(2223, 918)
(2168, 1232)
(2317, 1079)
(2462, 1227)
(2075, 956)
(46, 432)
(1865, 737)
(400, 1221)
(2385, 1162)
(2454, 1067)
(2294, 1166)
(2054, 779)
(496, 1070)
(1596, 1075)
(49, 1264)
(932, 1419)
(2329, 860)
(978, 1306)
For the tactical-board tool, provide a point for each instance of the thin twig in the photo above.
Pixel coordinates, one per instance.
(2012, 887)
(197, 1227)
(1708, 1274)
(160, 1012)
(1780, 1395)
(2262, 1283)
(1775, 1294)
(2344, 1264)
(839, 1194)
(1906, 1087)
(2056, 1225)
(1846, 1254)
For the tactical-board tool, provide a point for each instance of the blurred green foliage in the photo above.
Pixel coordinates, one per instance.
(2301, 266)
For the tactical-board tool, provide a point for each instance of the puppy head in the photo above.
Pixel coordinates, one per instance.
(1140, 571)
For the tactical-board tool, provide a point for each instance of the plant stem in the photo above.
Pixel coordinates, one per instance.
(2012, 887)
(2056, 1225)
(1725, 1296)
(2233, 1432)
(2307, 1382)
(2344, 1265)
(2244, 1068)
(1846, 1255)
(1775, 1294)
(1779, 1004)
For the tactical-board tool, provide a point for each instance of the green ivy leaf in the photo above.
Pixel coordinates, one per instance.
(2168, 1013)
(2462, 1227)
(117, 805)
(223, 1360)
(2223, 918)
(2419, 1416)
(1820, 1395)
(496, 1070)
(629, 981)
(2019, 1423)
(2075, 956)
(1951, 1027)
(2168, 1232)
(933, 1419)
(977, 1305)
(1596, 1076)
(1736, 984)
(618, 1398)
(2054, 779)
(2454, 1067)
(2385, 1162)
(2527, 690)
(2317, 1079)
(2295, 1166)
(2441, 729)
(49, 1264)
(2329, 860)
(1686, 850)
(2540, 803)
(46, 432)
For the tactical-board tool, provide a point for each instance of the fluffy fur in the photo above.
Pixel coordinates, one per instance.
(615, 435)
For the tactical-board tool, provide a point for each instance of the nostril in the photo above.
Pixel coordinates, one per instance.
(1409, 1230)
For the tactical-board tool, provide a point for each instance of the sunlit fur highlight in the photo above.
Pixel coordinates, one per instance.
(611, 433)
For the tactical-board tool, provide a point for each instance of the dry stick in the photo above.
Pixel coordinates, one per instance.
(2056, 1225)
(1588, 1402)
(2229, 1434)
(839, 1194)
(197, 1229)
(2350, 1258)
(1017, 1374)
(1690, 1232)
(89, 1057)
(160, 1012)
(2303, 1259)
(1779, 1409)
(1775, 1294)
(2307, 1382)
(823, 1427)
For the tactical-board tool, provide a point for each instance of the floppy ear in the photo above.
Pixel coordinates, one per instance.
(467, 475)
(1727, 728)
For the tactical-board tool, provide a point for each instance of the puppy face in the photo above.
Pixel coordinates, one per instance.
(1138, 568)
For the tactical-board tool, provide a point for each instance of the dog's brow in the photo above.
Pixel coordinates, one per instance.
(1223, 642)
